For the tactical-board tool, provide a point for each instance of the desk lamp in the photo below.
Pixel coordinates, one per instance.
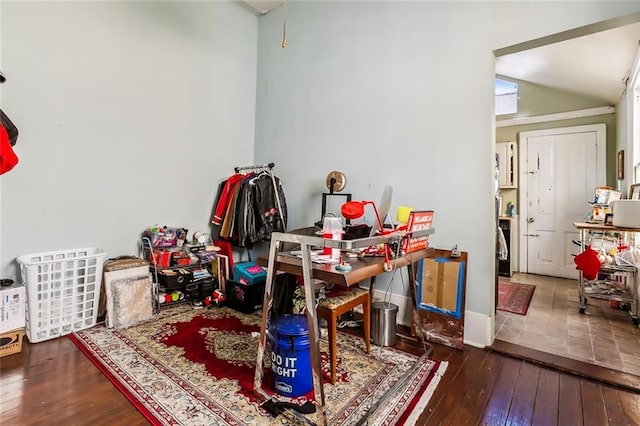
(355, 210)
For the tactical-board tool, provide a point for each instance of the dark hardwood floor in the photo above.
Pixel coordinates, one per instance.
(52, 382)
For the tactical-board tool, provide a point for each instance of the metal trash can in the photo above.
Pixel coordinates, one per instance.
(383, 323)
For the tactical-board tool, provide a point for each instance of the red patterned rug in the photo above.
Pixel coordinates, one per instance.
(196, 367)
(514, 297)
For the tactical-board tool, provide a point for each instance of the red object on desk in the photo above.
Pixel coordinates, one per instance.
(418, 221)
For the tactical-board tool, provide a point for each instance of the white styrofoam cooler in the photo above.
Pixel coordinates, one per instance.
(626, 213)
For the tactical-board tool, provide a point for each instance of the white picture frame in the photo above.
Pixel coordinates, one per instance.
(222, 270)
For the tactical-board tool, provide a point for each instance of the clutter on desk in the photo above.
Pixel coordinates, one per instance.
(601, 205)
(343, 265)
(332, 229)
(317, 256)
(352, 232)
(418, 220)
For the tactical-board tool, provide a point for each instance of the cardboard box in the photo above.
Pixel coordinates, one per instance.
(11, 342)
(12, 307)
(440, 285)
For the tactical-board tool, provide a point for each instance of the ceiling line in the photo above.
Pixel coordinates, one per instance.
(569, 34)
(589, 112)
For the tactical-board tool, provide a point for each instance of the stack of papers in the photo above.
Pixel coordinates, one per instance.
(317, 257)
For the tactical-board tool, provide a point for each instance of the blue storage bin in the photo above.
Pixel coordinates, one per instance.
(249, 273)
(290, 356)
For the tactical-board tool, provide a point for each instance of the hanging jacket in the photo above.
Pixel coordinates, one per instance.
(250, 209)
(271, 207)
(11, 128)
(8, 158)
(224, 196)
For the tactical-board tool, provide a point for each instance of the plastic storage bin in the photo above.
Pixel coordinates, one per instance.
(63, 291)
(245, 298)
(249, 273)
(290, 356)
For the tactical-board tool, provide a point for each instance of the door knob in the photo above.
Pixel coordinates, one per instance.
(530, 220)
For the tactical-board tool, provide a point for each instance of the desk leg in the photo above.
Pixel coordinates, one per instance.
(312, 322)
(314, 334)
(416, 324)
(372, 287)
(266, 308)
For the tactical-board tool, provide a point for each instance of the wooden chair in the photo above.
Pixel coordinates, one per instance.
(331, 308)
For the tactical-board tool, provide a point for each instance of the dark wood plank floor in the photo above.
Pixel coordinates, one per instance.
(52, 382)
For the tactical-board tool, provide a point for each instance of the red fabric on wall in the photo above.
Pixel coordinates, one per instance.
(8, 158)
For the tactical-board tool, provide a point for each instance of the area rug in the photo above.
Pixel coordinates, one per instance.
(514, 297)
(196, 367)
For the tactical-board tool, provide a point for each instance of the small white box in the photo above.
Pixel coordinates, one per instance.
(12, 307)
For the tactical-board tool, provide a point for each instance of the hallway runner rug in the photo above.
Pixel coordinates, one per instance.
(514, 297)
(196, 367)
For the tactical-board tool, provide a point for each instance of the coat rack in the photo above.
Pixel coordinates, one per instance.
(255, 167)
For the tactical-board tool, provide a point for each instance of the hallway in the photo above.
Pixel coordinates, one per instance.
(603, 336)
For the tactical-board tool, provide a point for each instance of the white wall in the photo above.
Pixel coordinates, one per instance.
(130, 113)
(399, 93)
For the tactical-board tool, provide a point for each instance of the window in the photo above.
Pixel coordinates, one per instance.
(506, 97)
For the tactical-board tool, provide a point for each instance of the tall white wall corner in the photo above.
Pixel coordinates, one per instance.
(478, 329)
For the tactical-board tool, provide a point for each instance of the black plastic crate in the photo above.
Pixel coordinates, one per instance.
(245, 298)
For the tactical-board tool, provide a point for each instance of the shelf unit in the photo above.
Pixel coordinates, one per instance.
(508, 164)
(186, 280)
(614, 282)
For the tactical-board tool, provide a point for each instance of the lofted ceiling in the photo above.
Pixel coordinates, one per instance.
(260, 7)
(595, 65)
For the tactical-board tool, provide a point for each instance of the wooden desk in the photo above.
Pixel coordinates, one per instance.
(361, 269)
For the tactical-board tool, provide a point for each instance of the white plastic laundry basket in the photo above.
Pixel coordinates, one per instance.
(63, 290)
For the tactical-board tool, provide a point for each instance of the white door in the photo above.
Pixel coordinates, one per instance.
(560, 169)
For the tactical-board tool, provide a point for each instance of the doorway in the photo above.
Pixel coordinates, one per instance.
(560, 168)
(539, 258)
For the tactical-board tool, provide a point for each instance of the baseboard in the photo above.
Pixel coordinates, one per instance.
(478, 328)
